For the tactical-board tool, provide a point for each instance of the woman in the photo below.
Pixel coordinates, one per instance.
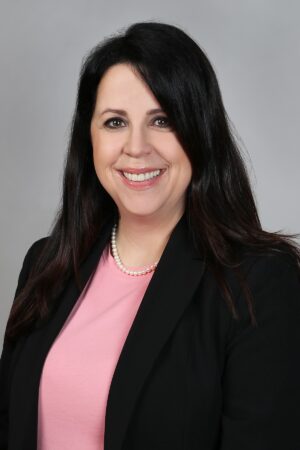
(157, 314)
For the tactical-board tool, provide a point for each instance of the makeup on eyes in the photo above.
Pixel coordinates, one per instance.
(111, 119)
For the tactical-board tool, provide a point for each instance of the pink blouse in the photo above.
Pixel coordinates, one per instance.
(77, 372)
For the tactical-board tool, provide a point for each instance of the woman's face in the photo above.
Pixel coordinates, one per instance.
(135, 139)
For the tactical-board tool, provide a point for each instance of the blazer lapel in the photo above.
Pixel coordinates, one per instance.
(36, 347)
(169, 292)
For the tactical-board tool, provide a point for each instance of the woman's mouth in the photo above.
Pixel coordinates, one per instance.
(141, 180)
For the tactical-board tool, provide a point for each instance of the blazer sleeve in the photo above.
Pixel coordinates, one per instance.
(8, 351)
(261, 379)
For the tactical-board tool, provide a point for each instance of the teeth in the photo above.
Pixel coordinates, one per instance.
(141, 176)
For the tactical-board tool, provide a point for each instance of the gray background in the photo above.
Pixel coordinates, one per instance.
(252, 44)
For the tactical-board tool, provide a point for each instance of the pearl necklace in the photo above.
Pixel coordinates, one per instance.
(118, 260)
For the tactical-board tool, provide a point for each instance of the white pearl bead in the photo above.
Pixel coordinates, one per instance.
(118, 260)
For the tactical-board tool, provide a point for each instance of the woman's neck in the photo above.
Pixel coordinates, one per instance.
(141, 242)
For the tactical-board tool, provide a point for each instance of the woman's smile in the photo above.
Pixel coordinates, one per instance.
(141, 181)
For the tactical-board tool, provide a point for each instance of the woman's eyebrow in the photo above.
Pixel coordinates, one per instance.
(124, 113)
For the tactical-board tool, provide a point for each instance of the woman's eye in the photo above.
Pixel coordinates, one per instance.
(164, 120)
(113, 120)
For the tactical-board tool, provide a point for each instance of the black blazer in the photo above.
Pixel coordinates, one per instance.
(189, 377)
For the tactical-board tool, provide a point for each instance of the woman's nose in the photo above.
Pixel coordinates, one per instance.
(136, 142)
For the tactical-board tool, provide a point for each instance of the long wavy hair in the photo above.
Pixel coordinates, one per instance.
(220, 205)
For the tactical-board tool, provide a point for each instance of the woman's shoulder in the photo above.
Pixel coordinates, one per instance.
(270, 265)
(260, 268)
(34, 250)
(273, 278)
(270, 287)
(38, 244)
